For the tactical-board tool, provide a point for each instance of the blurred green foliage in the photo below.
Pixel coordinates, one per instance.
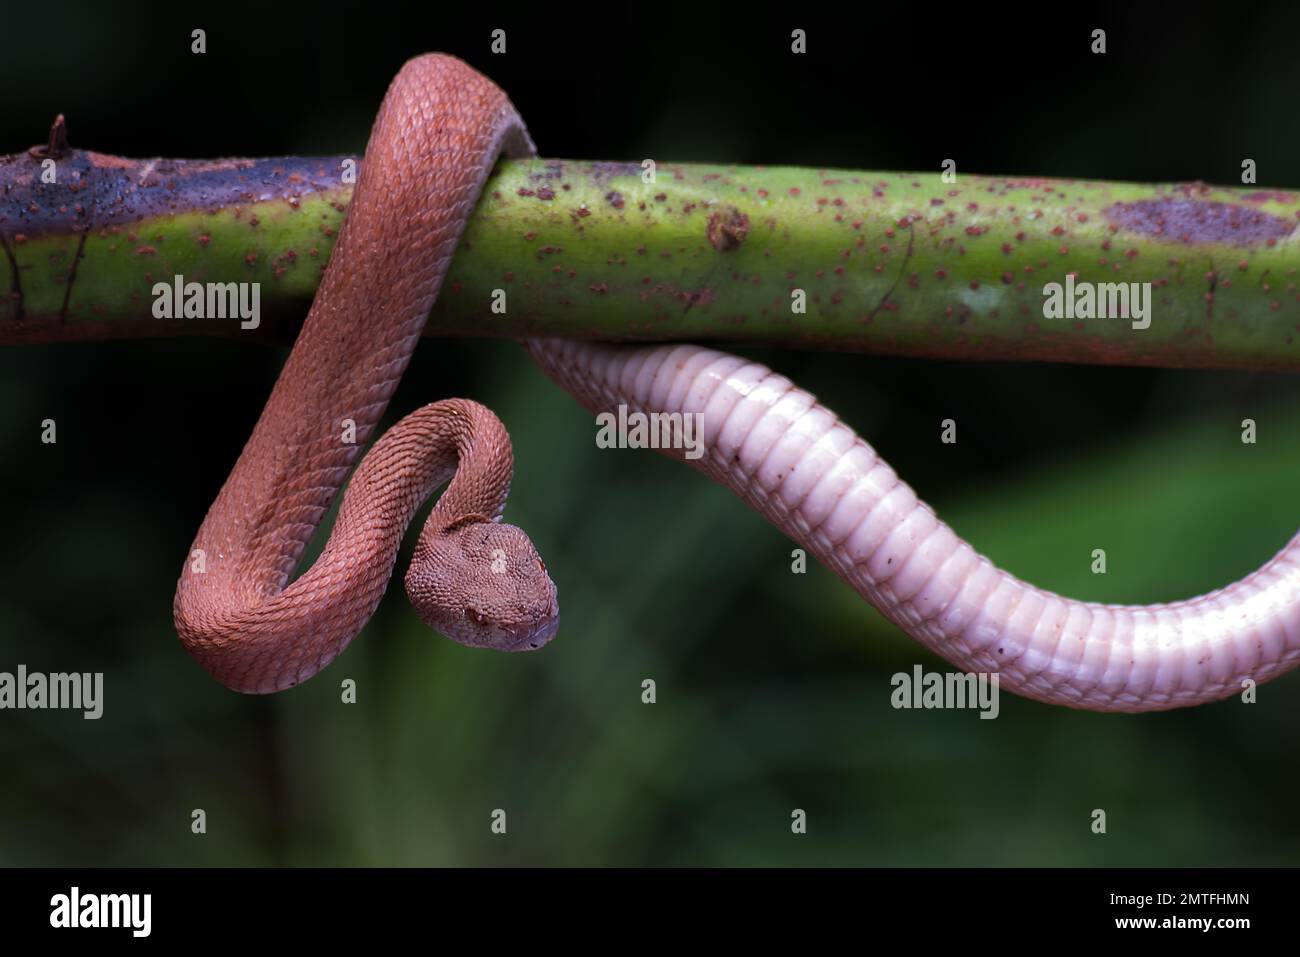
(773, 688)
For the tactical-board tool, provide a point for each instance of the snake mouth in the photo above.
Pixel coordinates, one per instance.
(528, 633)
(542, 634)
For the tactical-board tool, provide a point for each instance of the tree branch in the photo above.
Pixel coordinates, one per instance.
(887, 262)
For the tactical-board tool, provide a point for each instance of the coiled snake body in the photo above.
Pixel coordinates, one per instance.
(438, 133)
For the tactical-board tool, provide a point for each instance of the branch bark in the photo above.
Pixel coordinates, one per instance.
(887, 262)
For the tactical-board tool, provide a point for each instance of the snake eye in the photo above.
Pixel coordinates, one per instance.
(541, 564)
(476, 616)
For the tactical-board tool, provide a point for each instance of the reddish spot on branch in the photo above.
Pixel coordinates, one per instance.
(727, 229)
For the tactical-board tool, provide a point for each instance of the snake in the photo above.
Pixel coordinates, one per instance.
(439, 132)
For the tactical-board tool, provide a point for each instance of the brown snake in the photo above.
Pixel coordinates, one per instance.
(437, 136)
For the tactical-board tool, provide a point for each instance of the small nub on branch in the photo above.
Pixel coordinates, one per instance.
(58, 143)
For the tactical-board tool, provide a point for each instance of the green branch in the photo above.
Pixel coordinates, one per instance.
(884, 262)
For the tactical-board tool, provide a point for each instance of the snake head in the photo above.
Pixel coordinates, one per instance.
(482, 583)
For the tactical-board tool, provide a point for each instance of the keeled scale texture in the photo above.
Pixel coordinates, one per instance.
(437, 135)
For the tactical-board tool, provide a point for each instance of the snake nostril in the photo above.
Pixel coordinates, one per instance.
(476, 616)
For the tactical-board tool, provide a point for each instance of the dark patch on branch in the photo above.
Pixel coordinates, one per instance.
(15, 281)
(1198, 221)
(112, 190)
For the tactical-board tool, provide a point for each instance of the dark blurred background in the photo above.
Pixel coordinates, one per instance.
(773, 688)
